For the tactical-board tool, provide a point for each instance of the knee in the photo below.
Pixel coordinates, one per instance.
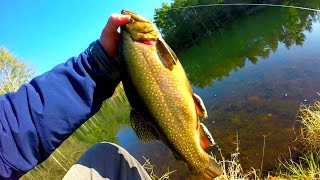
(111, 160)
(99, 152)
(102, 147)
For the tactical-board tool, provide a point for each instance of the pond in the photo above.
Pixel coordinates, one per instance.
(252, 76)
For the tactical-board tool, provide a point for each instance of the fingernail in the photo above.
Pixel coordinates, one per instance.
(127, 16)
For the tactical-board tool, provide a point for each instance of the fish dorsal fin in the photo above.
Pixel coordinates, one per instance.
(144, 132)
(166, 54)
(206, 138)
(200, 108)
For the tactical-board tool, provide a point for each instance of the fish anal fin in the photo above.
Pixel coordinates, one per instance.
(200, 107)
(144, 132)
(166, 54)
(206, 138)
(204, 142)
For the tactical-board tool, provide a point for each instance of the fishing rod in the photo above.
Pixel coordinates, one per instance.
(245, 4)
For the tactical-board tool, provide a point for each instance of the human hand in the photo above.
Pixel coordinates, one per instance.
(110, 37)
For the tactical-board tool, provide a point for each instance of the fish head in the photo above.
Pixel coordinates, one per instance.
(143, 31)
(140, 28)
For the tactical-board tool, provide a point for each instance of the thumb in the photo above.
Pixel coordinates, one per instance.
(109, 38)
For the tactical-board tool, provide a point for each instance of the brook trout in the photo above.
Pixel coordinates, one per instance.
(163, 104)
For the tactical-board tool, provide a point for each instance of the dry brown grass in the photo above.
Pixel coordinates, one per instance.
(150, 169)
(310, 118)
(232, 169)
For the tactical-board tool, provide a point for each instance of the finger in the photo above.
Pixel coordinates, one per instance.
(109, 38)
(115, 21)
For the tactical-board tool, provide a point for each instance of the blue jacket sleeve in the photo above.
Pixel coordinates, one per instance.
(37, 118)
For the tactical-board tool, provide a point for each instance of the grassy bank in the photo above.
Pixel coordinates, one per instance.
(306, 166)
(103, 126)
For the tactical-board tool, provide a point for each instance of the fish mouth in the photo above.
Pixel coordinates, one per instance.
(127, 12)
(134, 16)
(140, 29)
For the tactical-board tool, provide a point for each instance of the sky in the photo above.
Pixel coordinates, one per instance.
(46, 33)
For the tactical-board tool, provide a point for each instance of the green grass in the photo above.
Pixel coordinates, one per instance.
(103, 126)
(307, 167)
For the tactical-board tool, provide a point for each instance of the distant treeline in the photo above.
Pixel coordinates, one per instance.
(249, 39)
(182, 27)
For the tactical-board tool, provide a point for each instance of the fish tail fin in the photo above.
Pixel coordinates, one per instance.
(212, 171)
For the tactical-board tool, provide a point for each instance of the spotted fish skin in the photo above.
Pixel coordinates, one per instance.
(159, 92)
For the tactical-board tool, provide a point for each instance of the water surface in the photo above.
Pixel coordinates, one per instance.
(252, 76)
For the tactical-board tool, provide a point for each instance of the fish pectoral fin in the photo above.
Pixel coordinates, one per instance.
(200, 108)
(144, 132)
(166, 54)
(206, 138)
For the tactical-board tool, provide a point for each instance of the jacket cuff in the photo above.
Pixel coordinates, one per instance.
(108, 65)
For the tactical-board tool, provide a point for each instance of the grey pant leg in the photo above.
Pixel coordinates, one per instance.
(106, 161)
